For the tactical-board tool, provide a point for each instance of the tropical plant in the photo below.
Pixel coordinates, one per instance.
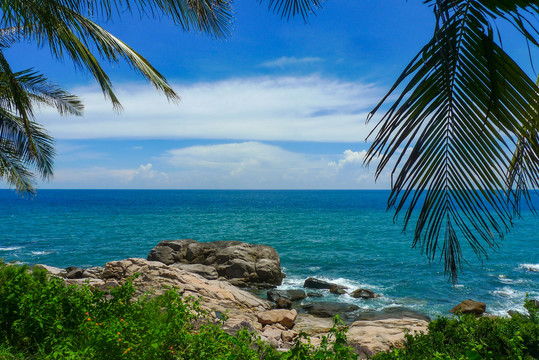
(461, 138)
(65, 27)
(24, 145)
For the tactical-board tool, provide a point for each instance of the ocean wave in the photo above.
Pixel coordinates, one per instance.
(37, 253)
(529, 267)
(10, 248)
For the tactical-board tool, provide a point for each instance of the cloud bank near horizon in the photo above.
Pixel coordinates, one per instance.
(310, 108)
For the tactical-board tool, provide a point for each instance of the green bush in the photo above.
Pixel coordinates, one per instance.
(468, 337)
(43, 318)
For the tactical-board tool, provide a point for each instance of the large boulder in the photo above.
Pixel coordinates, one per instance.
(240, 263)
(469, 307)
(329, 309)
(281, 316)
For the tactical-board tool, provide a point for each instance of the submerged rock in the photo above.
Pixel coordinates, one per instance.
(469, 307)
(240, 263)
(338, 289)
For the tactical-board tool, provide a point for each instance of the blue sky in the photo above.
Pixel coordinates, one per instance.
(277, 105)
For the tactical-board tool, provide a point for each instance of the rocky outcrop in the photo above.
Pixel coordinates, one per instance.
(364, 294)
(240, 263)
(469, 307)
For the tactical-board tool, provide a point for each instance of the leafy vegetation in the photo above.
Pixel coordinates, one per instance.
(468, 337)
(42, 318)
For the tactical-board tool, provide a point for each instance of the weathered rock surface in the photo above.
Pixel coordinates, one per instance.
(313, 283)
(240, 263)
(292, 295)
(55, 271)
(380, 335)
(364, 294)
(74, 273)
(338, 289)
(282, 303)
(329, 309)
(469, 307)
(392, 313)
(284, 317)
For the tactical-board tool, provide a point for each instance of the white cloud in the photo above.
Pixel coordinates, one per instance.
(263, 109)
(290, 61)
(238, 165)
(104, 178)
(349, 157)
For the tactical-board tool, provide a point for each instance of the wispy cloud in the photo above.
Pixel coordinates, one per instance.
(309, 108)
(285, 61)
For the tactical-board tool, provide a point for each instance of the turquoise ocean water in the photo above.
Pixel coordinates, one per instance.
(345, 237)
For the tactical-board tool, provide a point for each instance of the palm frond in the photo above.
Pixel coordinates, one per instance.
(292, 8)
(463, 105)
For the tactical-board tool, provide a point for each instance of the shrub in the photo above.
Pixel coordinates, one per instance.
(468, 337)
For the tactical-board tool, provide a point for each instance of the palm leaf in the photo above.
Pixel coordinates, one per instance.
(463, 105)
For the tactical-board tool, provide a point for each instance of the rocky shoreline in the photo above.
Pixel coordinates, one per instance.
(223, 274)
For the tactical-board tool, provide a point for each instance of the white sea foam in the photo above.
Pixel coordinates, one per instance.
(37, 253)
(529, 267)
(10, 248)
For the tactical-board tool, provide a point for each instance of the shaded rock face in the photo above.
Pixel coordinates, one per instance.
(469, 307)
(364, 294)
(240, 263)
(329, 309)
(313, 283)
(292, 295)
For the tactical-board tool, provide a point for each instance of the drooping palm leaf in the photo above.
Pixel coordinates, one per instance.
(292, 8)
(451, 133)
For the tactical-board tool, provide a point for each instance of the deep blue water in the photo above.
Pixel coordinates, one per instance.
(343, 236)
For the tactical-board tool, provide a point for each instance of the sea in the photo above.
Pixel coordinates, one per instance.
(345, 237)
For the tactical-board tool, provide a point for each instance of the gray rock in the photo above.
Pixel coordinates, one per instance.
(337, 289)
(242, 264)
(364, 294)
(315, 295)
(163, 254)
(292, 295)
(313, 283)
(207, 271)
(74, 273)
(392, 313)
(53, 270)
(283, 303)
(329, 309)
(469, 307)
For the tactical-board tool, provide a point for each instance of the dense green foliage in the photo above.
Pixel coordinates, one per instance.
(42, 318)
(468, 337)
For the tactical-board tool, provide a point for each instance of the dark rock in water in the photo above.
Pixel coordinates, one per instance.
(329, 309)
(292, 295)
(283, 303)
(74, 272)
(240, 263)
(313, 283)
(311, 294)
(364, 294)
(469, 307)
(392, 313)
(337, 289)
